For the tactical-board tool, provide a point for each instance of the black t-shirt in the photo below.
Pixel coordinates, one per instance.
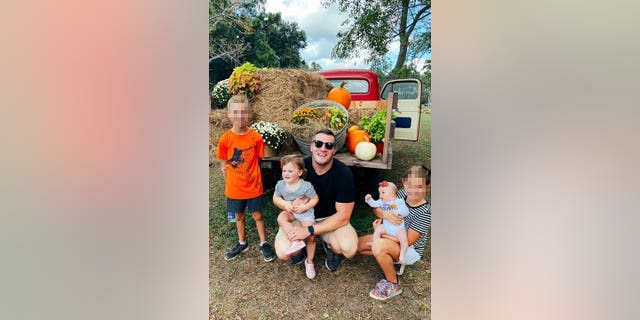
(336, 185)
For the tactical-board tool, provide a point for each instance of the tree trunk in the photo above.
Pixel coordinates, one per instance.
(404, 39)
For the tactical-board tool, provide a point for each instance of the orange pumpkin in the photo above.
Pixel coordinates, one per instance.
(340, 95)
(356, 136)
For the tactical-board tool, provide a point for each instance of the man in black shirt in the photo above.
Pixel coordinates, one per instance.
(333, 182)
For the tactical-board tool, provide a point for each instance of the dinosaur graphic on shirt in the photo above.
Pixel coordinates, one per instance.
(236, 159)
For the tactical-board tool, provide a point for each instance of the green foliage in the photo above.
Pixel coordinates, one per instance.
(275, 43)
(243, 80)
(372, 26)
(336, 118)
(240, 30)
(375, 125)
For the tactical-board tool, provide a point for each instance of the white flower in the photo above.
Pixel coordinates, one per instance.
(220, 93)
(271, 133)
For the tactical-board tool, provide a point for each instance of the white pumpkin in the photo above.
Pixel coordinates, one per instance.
(365, 151)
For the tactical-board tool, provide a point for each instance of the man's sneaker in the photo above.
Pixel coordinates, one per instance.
(295, 246)
(399, 268)
(333, 259)
(236, 251)
(267, 252)
(385, 290)
(298, 258)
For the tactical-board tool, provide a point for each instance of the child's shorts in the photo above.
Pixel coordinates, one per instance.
(253, 204)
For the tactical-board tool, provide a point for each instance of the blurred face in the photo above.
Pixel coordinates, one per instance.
(291, 173)
(415, 187)
(239, 114)
(322, 155)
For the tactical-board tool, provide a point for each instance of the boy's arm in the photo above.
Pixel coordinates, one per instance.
(223, 167)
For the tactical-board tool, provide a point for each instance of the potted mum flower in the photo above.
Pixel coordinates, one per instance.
(272, 134)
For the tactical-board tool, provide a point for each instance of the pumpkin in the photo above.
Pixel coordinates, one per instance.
(340, 95)
(356, 136)
(365, 151)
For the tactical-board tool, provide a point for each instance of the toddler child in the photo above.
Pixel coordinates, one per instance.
(303, 198)
(390, 201)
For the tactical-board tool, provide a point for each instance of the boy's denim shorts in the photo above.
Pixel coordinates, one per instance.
(253, 204)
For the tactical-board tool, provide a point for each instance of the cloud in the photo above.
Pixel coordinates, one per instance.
(320, 25)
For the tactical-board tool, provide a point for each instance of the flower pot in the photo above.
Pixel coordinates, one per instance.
(303, 143)
(268, 151)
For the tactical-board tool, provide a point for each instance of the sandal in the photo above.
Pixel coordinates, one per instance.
(385, 290)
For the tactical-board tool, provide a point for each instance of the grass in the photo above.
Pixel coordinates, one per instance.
(249, 288)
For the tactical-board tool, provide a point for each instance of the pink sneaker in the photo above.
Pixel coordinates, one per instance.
(295, 246)
(309, 269)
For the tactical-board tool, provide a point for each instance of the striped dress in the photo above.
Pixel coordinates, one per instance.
(419, 219)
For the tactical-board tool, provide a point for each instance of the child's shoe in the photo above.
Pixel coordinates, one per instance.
(236, 251)
(295, 246)
(309, 270)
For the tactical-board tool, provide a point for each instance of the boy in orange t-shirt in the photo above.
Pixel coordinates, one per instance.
(239, 151)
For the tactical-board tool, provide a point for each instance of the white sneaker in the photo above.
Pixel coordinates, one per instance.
(295, 246)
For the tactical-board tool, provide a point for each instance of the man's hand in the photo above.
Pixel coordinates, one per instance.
(297, 233)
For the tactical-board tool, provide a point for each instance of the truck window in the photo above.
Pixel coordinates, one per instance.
(405, 90)
(353, 85)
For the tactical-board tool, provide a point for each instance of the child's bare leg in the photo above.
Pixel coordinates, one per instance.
(240, 220)
(311, 243)
(262, 233)
(404, 245)
(378, 231)
(284, 220)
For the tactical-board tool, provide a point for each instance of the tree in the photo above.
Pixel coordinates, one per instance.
(373, 26)
(240, 31)
(275, 43)
(229, 20)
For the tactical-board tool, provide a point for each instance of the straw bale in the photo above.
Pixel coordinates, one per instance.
(282, 91)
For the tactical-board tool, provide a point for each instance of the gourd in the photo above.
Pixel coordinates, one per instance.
(365, 151)
(354, 137)
(340, 95)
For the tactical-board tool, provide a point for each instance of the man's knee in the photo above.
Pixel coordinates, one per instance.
(281, 245)
(345, 242)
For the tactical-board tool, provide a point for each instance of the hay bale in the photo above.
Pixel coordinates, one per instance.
(282, 91)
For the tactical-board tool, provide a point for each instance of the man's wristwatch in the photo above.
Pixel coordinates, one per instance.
(310, 229)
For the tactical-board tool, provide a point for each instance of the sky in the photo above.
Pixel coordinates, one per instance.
(320, 25)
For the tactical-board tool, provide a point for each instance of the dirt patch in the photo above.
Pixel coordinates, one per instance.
(249, 288)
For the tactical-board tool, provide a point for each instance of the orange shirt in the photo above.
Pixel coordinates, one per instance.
(242, 154)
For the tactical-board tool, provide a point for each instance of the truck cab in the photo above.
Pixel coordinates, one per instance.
(364, 86)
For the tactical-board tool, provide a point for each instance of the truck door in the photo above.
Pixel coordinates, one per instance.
(408, 114)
